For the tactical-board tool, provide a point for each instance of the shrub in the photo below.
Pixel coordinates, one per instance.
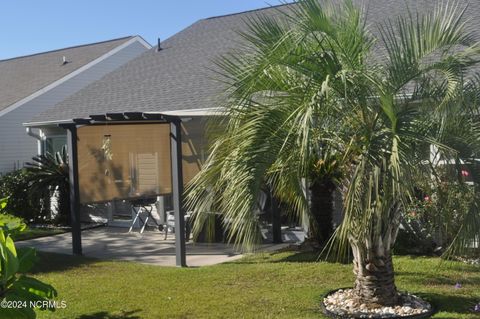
(30, 190)
(435, 217)
(21, 203)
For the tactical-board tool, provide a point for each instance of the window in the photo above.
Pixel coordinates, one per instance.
(55, 144)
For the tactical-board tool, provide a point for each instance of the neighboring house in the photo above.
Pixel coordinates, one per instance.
(177, 78)
(31, 84)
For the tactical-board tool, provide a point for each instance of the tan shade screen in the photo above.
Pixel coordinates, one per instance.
(122, 161)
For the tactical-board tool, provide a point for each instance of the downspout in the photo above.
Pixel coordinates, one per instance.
(37, 137)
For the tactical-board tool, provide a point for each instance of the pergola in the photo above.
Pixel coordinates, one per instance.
(175, 150)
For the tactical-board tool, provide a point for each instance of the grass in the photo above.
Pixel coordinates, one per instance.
(35, 232)
(279, 285)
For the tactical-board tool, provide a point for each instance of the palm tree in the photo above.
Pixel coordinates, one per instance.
(316, 82)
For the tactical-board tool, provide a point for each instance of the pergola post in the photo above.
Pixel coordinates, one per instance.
(74, 188)
(177, 189)
(276, 220)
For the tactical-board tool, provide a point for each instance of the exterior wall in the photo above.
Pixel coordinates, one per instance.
(16, 147)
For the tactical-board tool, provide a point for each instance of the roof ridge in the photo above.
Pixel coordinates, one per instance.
(66, 48)
(248, 11)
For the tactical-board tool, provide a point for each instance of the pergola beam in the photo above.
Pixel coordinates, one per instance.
(99, 118)
(134, 116)
(116, 117)
(153, 117)
(82, 121)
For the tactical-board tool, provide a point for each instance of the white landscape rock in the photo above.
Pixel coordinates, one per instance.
(342, 302)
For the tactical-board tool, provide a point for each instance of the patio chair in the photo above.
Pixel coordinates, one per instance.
(259, 210)
(170, 224)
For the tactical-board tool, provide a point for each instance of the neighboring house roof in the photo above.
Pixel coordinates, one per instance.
(179, 77)
(20, 77)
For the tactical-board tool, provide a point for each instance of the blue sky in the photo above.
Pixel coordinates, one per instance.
(31, 26)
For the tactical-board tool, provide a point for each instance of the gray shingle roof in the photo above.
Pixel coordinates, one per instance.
(23, 76)
(179, 77)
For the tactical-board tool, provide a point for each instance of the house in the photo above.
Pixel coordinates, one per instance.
(176, 79)
(31, 84)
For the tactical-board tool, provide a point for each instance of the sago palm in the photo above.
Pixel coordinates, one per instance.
(316, 82)
(49, 174)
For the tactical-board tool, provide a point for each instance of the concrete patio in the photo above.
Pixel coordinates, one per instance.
(149, 247)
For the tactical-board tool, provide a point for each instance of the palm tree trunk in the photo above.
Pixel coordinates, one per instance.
(321, 211)
(373, 269)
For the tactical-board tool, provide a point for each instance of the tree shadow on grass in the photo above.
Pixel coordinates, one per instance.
(289, 256)
(312, 257)
(438, 278)
(454, 304)
(277, 257)
(299, 257)
(107, 315)
(52, 262)
(444, 264)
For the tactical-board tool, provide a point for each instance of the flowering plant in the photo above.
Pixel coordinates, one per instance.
(436, 214)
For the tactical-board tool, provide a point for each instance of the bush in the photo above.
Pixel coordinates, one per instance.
(30, 190)
(435, 218)
(15, 186)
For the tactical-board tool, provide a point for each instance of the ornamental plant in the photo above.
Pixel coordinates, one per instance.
(21, 202)
(49, 174)
(435, 219)
(17, 290)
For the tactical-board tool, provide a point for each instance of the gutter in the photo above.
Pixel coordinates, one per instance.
(38, 137)
(45, 123)
(32, 134)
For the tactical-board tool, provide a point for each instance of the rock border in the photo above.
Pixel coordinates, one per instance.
(330, 314)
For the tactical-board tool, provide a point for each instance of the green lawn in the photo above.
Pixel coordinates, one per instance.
(281, 285)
